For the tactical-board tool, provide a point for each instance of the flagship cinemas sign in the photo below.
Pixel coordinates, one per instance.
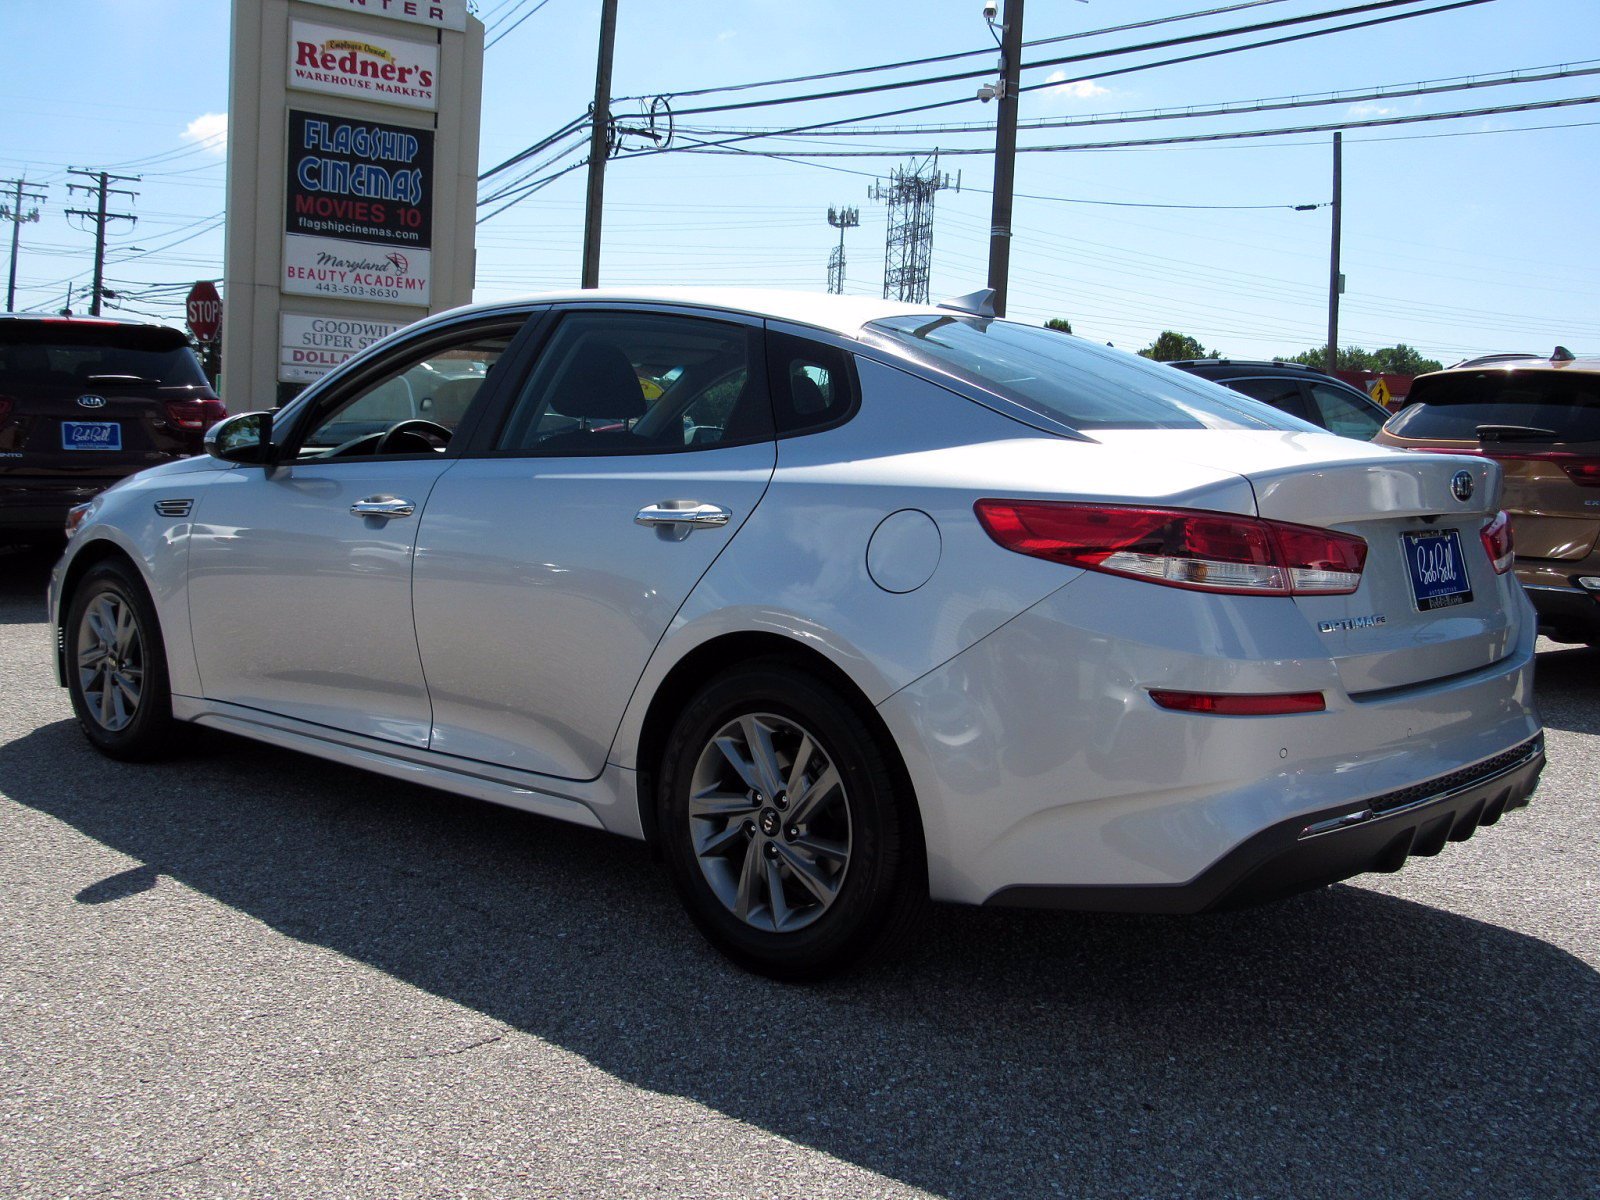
(364, 180)
(363, 66)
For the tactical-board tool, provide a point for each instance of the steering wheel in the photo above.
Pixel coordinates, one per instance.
(416, 427)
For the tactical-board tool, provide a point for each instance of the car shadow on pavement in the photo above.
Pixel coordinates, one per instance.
(1567, 682)
(1345, 1043)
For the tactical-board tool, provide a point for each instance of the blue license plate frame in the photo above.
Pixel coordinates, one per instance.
(1437, 567)
(91, 435)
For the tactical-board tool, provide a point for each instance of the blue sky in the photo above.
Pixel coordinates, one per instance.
(1460, 236)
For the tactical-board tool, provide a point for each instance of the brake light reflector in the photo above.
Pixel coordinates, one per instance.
(1585, 472)
(195, 414)
(1205, 551)
(1227, 705)
(1496, 537)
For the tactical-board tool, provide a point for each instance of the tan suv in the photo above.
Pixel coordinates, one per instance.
(1540, 419)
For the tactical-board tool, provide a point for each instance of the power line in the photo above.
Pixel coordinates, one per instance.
(1231, 108)
(899, 112)
(1365, 123)
(1161, 44)
(960, 54)
(508, 29)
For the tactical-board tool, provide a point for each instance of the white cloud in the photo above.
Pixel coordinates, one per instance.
(209, 130)
(1081, 89)
(1372, 110)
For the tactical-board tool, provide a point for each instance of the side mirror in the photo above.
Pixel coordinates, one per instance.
(245, 438)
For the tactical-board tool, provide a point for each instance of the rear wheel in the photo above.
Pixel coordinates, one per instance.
(782, 826)
(117, 665)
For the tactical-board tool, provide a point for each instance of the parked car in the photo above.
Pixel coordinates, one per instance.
(874, 602)
(1540, 420)
(85, 402)
(1304, 392)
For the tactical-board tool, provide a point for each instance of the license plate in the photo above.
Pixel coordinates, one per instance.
(1438, 569)
(91, 435)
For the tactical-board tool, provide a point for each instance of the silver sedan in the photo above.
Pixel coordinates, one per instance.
(842, 604)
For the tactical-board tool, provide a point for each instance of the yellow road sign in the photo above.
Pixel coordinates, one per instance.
(1380, 392)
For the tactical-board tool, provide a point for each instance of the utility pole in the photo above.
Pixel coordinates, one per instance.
(599, 145)
(13, 212)
(1005, 154)
(841, 219)
(102, 189)
(1335, 281)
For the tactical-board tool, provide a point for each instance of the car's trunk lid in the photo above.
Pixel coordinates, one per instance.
(1404, 506)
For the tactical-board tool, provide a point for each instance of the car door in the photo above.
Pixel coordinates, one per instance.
(551, 560)
(300, 573)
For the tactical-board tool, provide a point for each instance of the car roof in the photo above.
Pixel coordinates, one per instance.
(1519, 366)
(838, 314)
(78, 322)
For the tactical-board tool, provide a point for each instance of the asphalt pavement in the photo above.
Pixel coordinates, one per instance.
(251, 973)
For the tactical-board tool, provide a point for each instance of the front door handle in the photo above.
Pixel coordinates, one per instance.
(384, 507)
(679, 518)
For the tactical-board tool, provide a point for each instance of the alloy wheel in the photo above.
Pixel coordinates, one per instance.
(770, 823)
(110, 661)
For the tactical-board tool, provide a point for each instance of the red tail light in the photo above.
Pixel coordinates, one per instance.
(1231, 705)
(1496, 537)
(195, 414)
(1206, 551)
(6, 405)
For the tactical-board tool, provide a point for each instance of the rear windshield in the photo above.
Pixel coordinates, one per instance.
(1074, 381)
(49, 355)
(1454, 406)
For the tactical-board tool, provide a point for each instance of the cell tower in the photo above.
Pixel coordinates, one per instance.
(908, 251)
(841, 219)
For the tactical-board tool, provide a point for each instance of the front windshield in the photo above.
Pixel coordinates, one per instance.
(1073, 381)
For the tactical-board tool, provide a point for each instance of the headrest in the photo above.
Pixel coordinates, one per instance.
(598, 382)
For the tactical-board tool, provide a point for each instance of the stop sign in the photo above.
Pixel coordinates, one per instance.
(204, 311)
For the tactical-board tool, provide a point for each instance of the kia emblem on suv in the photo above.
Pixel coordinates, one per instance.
(1460, 484)
(91, 401)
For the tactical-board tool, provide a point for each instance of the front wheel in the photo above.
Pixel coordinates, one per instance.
(117, 665)
(782, 825)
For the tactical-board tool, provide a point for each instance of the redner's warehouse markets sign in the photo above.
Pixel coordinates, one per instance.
(363, 66)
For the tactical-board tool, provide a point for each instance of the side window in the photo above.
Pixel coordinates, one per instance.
(1280, 393)
(1343, 414)
(813, 385)
(412, 409)
(641, 383)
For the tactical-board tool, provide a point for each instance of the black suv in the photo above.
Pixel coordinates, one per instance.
(1303, 392)
(86, 401)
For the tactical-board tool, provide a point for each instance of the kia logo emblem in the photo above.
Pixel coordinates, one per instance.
(91, 401)
(1461, 486)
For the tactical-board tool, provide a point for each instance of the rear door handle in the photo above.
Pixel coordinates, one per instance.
(383, 507)
(680, 518)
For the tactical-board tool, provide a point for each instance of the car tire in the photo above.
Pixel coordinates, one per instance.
(117, 665)
(791, 887)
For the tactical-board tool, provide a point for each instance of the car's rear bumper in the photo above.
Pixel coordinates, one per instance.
(1040, 761)
(1310, 851)
(1568, 614)
(40, 505)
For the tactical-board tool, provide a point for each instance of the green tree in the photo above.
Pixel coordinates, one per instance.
(1172, 346)
(1061, 323)
(1399, 359)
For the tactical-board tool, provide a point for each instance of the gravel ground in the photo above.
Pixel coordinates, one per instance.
(250, 973)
